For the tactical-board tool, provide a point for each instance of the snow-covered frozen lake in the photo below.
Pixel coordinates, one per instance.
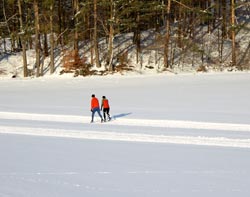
(172, 135)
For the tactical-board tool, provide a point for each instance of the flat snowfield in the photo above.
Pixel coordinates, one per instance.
(170, 135)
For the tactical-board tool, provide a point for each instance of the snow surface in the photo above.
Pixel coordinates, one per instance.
(171, 135)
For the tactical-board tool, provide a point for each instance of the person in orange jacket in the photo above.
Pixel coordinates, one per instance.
(95, 108)
(105, 107)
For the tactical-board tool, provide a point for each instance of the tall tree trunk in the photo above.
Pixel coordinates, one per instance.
(7, 25)
(52, 58)
(224, 19)
(25, 66)
(95, 39)
(167, 38)
(37, 39)
(138, 39)
(76, 10)
(210, 19)
(179, 39)
(59, 12)
(233, 32)
(45, 45)
(111, 36)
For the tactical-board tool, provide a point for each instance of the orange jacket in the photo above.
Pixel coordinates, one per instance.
(94, 103)
(105, 103)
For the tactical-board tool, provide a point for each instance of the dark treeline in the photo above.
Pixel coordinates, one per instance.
(64, 25)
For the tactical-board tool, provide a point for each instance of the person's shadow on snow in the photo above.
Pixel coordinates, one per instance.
(120, 115)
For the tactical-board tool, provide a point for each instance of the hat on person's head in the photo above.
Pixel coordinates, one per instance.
(92, 95)
(103, 97)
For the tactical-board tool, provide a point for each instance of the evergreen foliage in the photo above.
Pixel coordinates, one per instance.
(72, 23)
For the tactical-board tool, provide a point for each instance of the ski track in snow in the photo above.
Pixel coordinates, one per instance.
(127, 137)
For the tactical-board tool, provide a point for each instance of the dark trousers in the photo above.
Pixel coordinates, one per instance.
(106, 112)
(97, 109)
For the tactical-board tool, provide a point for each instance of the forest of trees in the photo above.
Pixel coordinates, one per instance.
(53, 27)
